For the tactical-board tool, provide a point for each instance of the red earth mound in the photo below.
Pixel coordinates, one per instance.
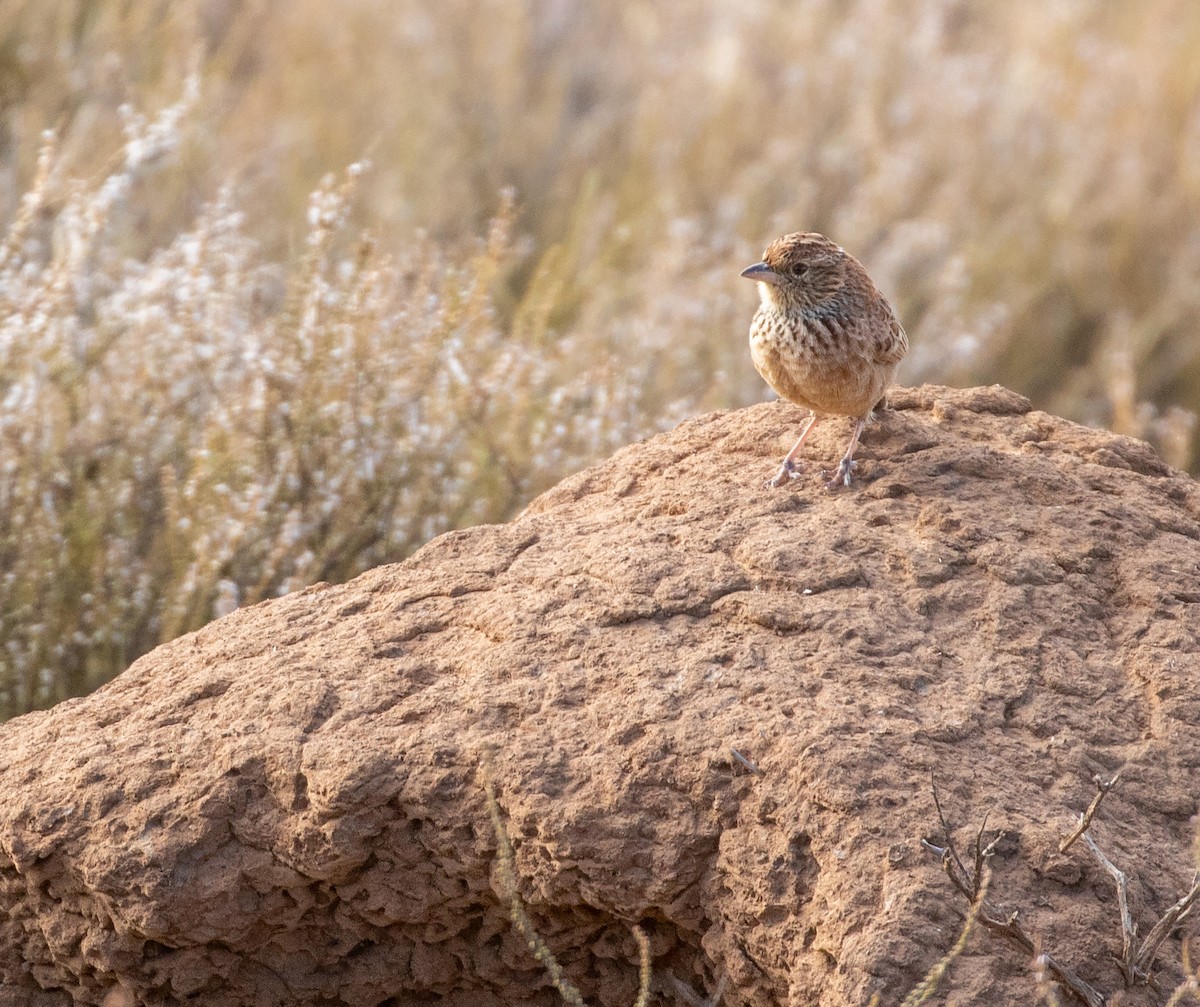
(713, 710)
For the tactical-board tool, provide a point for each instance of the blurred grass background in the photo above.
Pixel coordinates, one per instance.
(236, 359)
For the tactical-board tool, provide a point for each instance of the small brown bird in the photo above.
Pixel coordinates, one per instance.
(824, 337)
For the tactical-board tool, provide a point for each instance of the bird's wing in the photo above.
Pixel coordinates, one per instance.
(892, 347)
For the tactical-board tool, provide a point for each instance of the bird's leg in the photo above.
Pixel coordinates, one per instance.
(847, 465)
(789, 469)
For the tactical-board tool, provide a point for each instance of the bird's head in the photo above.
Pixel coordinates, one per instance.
(801, 270)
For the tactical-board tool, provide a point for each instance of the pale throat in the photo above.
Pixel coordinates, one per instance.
(766, 294)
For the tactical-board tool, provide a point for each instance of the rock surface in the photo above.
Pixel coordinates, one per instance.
(285, 808)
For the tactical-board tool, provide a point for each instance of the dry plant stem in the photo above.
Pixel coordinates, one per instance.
(1009, 928)
(1128, 931)
(1085, 819)
(928, 986)
(1190, 985)
(969, 884)
(1135, 964)
(1158, 933)
(689, 995)
(644, 974)
(1041, 979)
(948, 851)
(507, 876)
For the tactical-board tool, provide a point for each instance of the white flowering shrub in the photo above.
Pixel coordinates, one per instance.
(190, 433)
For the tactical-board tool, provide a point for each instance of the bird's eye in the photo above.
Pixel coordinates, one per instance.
(800, 268)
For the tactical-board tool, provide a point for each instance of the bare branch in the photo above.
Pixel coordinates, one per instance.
(1041, 978)
(1137, 965)
(1128, 930)
(991, 916)
(1010, 929)
(976, 881)
(1085, 819)
(1158, 933)
(1136, 962)
(958, 880)
(990, 849)
(949, 841)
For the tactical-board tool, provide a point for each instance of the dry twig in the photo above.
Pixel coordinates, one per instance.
(969, 883)
(1158, 933)
(1085, 819)
(1128, 930)
(1135, 962)
(1041, 979)
(507, 876)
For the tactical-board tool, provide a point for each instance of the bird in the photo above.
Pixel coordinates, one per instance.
(823, 337)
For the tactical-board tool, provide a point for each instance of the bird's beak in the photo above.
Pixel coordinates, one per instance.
(761, 271)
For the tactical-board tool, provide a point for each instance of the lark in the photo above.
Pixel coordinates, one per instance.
(824, 337)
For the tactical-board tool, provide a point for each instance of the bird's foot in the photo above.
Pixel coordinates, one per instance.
(841, 476)
(788, 470)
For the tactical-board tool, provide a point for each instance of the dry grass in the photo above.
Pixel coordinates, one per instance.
(509, 890)
(213, 388)
(193, 432)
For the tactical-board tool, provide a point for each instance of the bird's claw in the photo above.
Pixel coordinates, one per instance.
(788, 470)
(841, 476)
